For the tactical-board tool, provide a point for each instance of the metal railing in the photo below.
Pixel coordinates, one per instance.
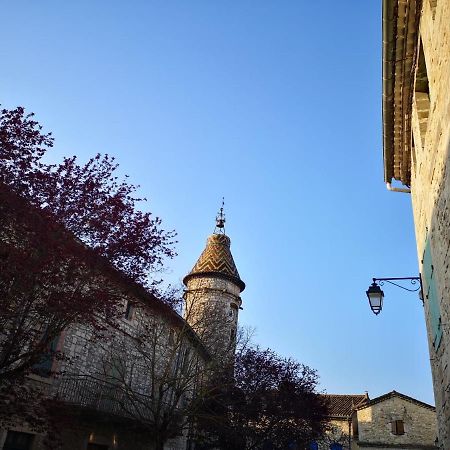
(100, 395)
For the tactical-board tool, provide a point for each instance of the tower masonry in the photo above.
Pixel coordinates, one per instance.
(212, 297)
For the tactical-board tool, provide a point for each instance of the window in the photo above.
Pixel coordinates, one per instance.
(43, 367)
(171, 337)
(18, 441)
(129, 311)
(232, 312)
(115, 370)
(398, 427)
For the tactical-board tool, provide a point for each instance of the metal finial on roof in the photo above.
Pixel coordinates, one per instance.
(220, 220)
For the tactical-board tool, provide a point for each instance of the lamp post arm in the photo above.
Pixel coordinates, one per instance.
(413, 281)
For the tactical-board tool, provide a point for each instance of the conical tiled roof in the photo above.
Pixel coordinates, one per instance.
(216, 260)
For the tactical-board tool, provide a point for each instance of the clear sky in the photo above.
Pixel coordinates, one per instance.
(275, 105)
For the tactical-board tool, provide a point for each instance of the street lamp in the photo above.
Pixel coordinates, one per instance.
(376, 295)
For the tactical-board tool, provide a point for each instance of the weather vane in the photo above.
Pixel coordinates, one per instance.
(220, 220)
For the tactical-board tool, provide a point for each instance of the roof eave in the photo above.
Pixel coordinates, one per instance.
(213, 274)
(400, 30)
(388, 85)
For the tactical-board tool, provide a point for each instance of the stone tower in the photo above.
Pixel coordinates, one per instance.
(212, 296)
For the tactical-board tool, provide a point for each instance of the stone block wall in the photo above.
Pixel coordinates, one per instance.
(375, 424)
(85, 387)
(212, 309)
(81, 433)
(430, 186)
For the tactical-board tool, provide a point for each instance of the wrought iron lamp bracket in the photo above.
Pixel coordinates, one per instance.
(413, 280)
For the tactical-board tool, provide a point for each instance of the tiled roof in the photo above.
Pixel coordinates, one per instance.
(400, 31)
(217, 260)
(344, 405)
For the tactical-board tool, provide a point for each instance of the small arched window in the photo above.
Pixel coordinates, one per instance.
(129, 311)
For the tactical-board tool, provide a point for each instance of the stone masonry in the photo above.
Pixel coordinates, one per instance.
(416, 131)
(430, 187)
(376, 417)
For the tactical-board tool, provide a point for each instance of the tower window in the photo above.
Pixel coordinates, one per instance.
(398, 427)
(129, 311)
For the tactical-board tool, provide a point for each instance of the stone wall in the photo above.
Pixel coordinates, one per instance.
(375, 424)
(99, 397)
(80, 433)
(430, 186)
(212, 309)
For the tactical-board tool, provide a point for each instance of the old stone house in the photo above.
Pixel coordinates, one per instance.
(118, 385)
(395, 420)
(391, 421)
(416, 137)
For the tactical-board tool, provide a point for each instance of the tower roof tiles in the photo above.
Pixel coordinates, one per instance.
(216, 260)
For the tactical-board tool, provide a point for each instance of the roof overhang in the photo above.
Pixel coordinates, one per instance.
(400, 38)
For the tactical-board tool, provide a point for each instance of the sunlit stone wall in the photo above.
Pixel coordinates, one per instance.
(375, 425)
(430, 185)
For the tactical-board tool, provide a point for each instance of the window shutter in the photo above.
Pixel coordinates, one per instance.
(397, 427)
(394, 427)
(431, 295)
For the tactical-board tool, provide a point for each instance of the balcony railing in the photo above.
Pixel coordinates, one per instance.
(93, 393)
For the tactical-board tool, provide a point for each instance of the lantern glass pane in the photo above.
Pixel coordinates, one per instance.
(375, 300)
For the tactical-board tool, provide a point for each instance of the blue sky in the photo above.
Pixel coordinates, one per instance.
(277, 107)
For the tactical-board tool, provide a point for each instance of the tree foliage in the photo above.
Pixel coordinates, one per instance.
(270, 402)
(89, 200)
(48, 281)
(64, 228)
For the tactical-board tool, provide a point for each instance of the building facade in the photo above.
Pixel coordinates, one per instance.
(416, 137)
(132, 383)
(391, 421)
(394, 421)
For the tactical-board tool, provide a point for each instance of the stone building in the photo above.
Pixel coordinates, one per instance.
(416, 136)
(391, 421)
(119, 385)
